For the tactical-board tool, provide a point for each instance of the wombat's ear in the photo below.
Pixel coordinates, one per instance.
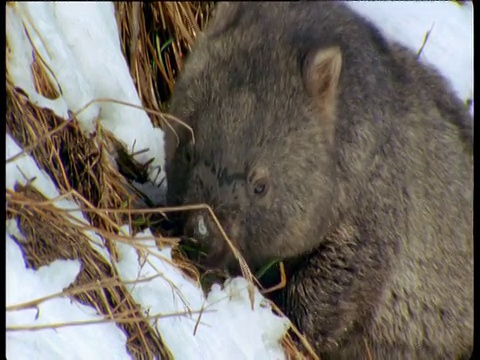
(321, 73)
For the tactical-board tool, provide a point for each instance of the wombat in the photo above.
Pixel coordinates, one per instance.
(319, 142)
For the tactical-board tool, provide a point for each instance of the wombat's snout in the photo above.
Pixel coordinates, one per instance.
(204, 231)
(198, 226)
(201, 227)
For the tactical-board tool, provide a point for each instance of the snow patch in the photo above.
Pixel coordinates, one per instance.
(227, 326)
(79, 42)
(77, 341)
(449, 47)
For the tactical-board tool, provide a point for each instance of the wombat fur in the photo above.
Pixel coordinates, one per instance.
(320, 143)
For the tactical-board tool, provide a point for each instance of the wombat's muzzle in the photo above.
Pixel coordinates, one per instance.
(216, 253)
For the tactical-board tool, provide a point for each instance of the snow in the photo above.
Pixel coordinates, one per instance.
(449, 47)
(50, 43)
(24, 168)
(20, 58)
(227, 322)
(80, 43)
(25, 285)
(91, 32)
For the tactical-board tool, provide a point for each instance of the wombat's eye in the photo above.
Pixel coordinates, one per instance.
(260, 187)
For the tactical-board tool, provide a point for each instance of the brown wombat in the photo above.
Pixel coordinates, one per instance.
(320, 143)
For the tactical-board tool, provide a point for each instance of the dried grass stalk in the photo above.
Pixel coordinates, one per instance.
(155, 37)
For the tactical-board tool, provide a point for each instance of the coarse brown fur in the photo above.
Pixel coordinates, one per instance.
(319, 141)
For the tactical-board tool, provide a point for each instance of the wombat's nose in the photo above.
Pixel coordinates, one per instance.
(196, 226)
(200, 226)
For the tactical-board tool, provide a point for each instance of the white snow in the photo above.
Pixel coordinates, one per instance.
(50, 43)
(100, 341)
(91, 32)
(20, 58)
(80, 43)
(228, 324)
(449, 47)
(24, 168)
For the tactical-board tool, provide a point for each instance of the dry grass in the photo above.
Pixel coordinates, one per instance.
(78, 166)
(50, 236)
(155, 38)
